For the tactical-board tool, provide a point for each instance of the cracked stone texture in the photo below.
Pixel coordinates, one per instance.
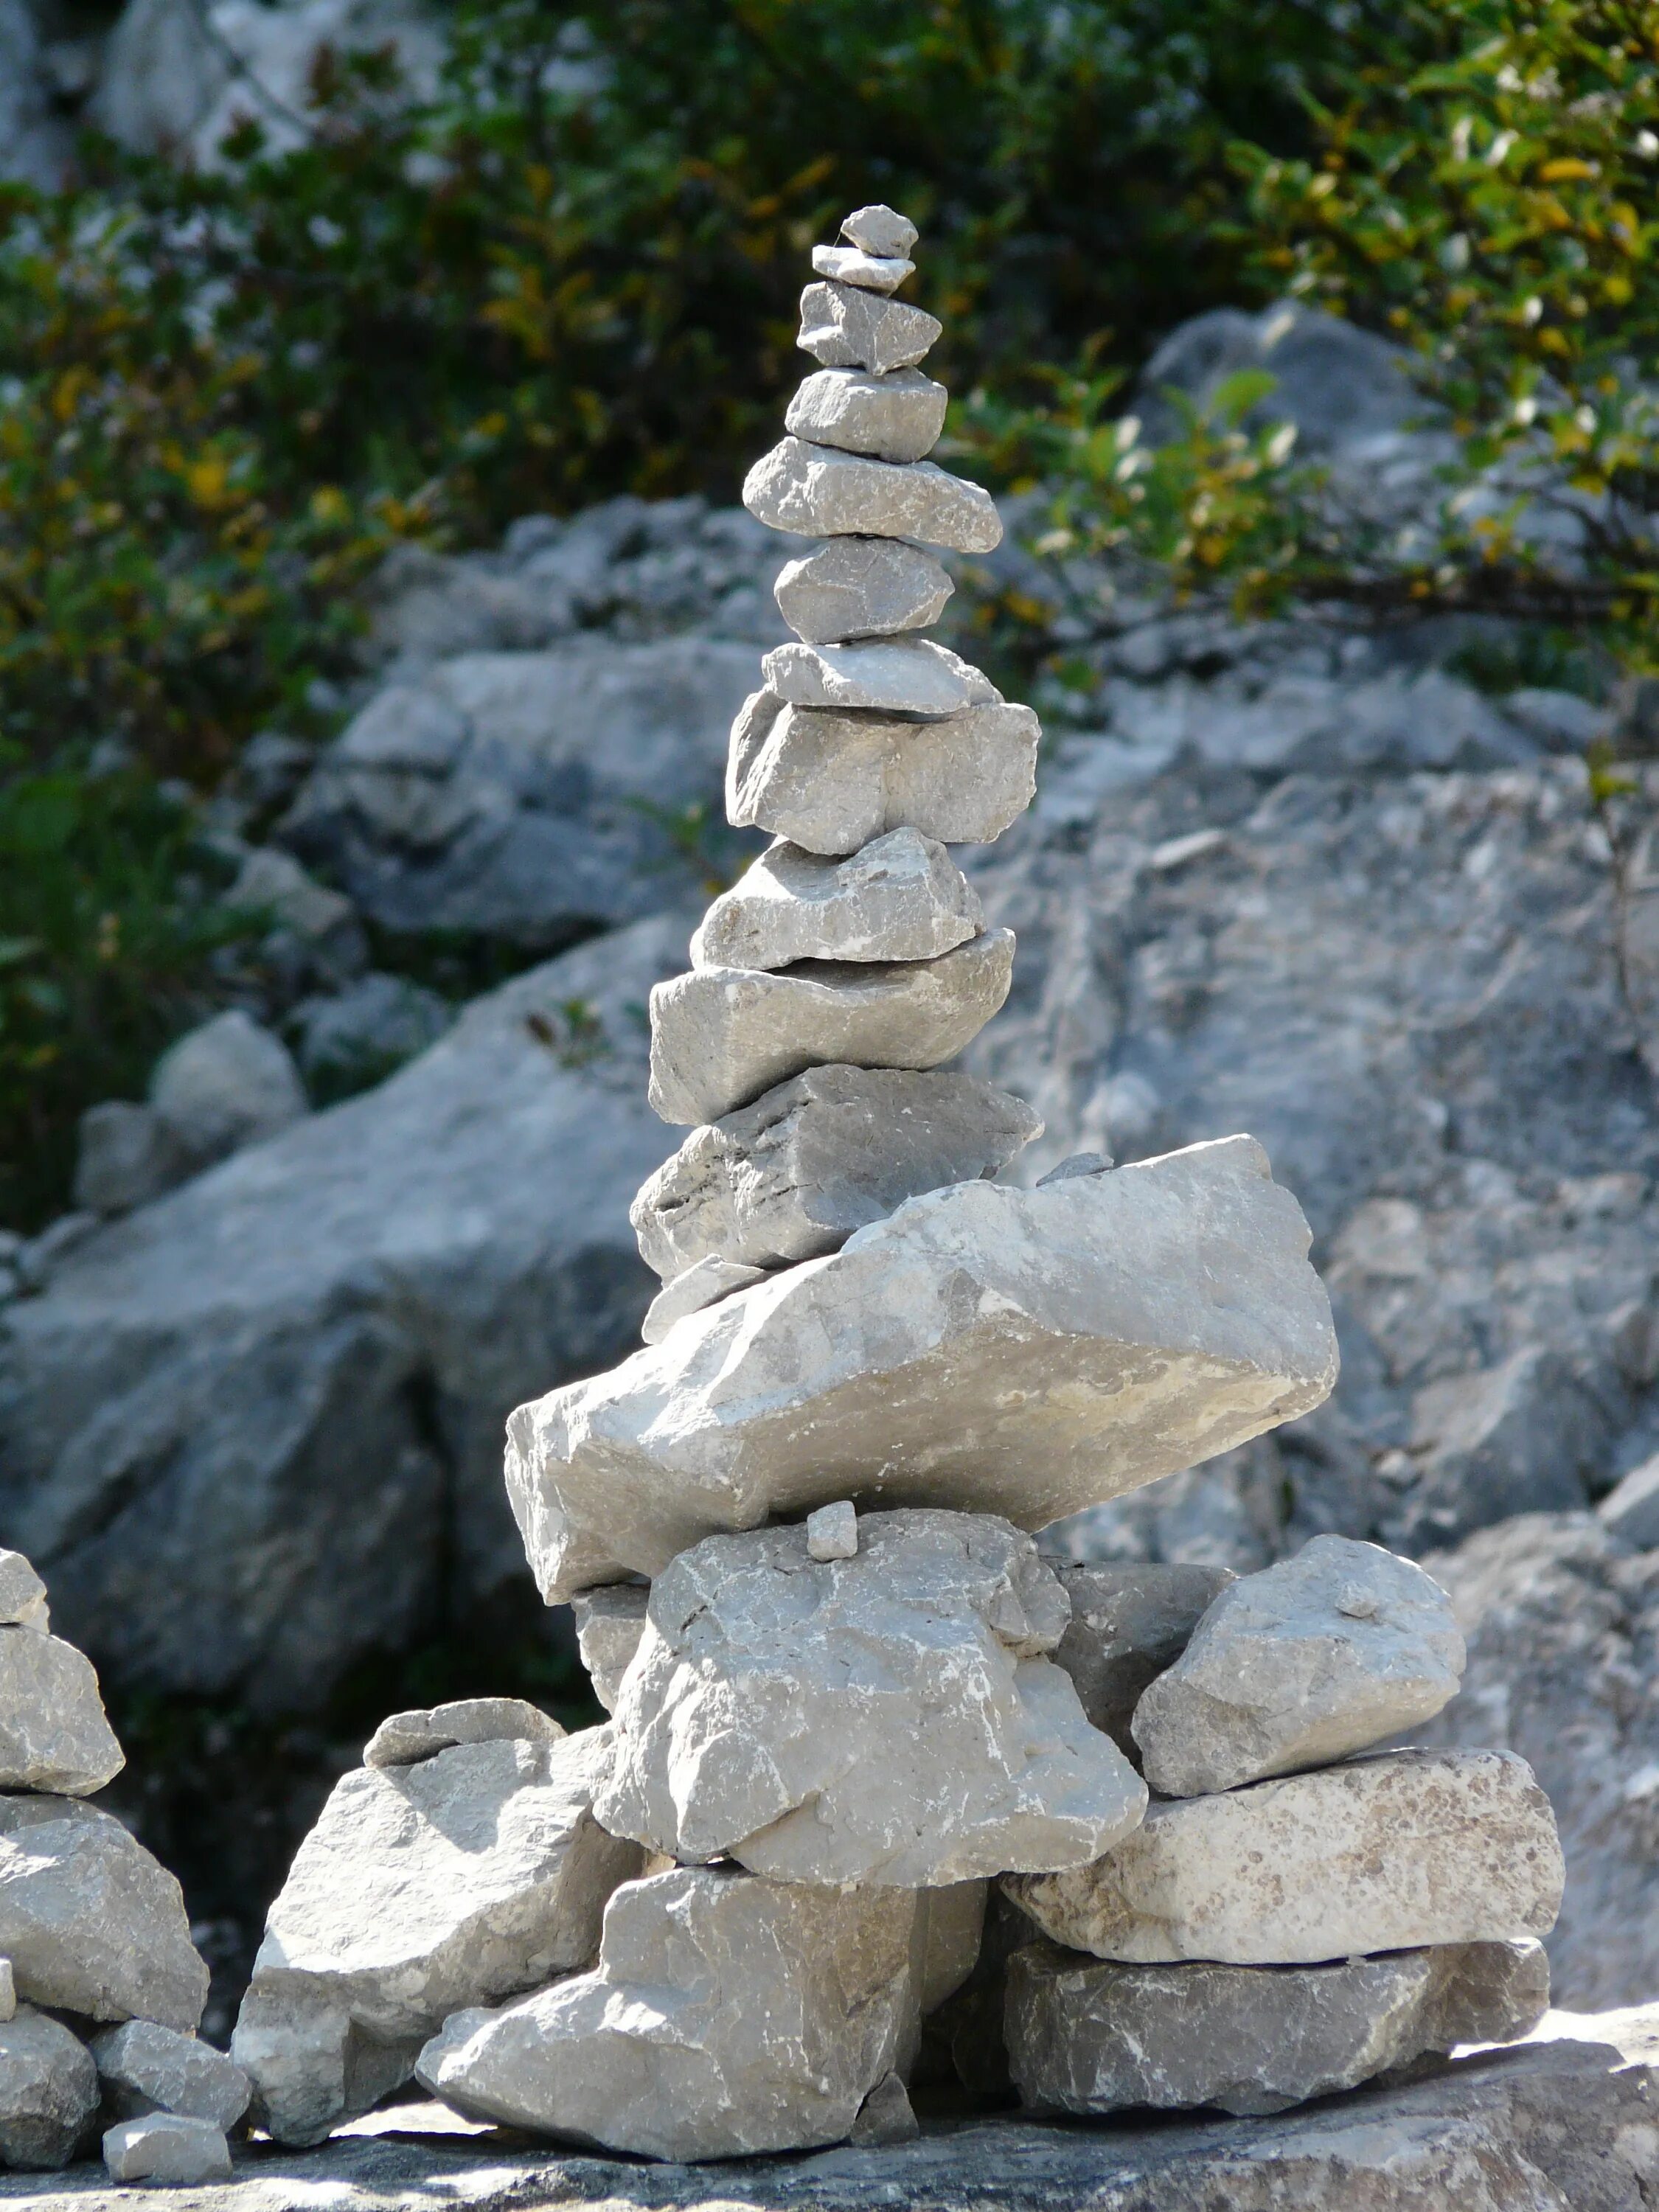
(720, 1036)
(818, 491)
(1323, 1655)
(888, 1718)
(895, 417)
(404, 1739)
(1128, 1622)
(703, 1284)
(53, 1734)
(900, 898)
(1088, 2036)
(845, 327)
(791, 1176)
(48, 2092)
(832, 780)
(91, 1923)
(861, 587)
(609, 1623)
(146, 2068)
(460, 1880)
(889, 675)
(1082, 1339)
(1380, 1853)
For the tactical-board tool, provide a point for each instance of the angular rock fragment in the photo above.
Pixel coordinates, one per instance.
(831, 782)
(818, 491)
(166, 2150)
(703, 1284)
(48, 2092)
(1001, 1351)
(849, 265)
(847, 327)
(405, 1739)
(888, 1717)
(90, 1921)
(878, 229)
(901, 897)
(53, 1734)
(720, 1036)
(1087, 2036)
(146, 2068)
(1318, 1656)
(1387, 1853)
(22, 1595)
(891, 676)
(1128, 1622)
(609, 1623)
(860, 587)
(832, 1149)
(892, 418)
(832, 1533)
(477, 1873)
(886, 2116)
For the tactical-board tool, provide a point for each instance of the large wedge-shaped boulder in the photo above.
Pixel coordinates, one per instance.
(1380, 1854)
(53, 1734)
(1001, 1351)
(819, 492)
(886, 1717)
(902, 897)
(475, 1873)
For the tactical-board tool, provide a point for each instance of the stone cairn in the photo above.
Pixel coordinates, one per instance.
(872, 1810)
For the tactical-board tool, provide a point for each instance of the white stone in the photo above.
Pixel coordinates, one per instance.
(879, 230)
(818, 491)
(855, 587)
(891, 676)
(720, 1036)
(48, 2091)
(832, 1533)
(146, 2068)
(846, 327)
(1128, 1622)
(53, 1734)
(1386, 1853)
(1002, 1351)
(1321, 1655)
(832, 782)
(849, 264)
(166, 2150)
(609, 1625)
(892, 418)
(475, 1873)
(703, 1284)
(887, 1717)
(901, 898)
(791, 1176)
(228, 1084)
(405, 1739)
(22, 1595)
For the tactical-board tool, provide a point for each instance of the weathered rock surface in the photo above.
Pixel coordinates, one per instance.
(22, 1595)
(1129, 1623)
(1381, 1854)
(609, 1623)
(880, 229)
(891, 676)
(846, 327)
(847, 265)
(1087, 2036)
(1080, 1337)
(832, 1533)
(887, 1718)
(146, 2068)
(895, 417)
(90, 1923)
(720, 1036)
(901, 897)
(1321, 1655)
(48, 2091)
(475, 1873)
(831, 782)
(861, 587)
(818, 491)
(167, 2148)
(53, 1734)
(791, 1176)
(406, 1739)
(703, 1283)
(8, 1990)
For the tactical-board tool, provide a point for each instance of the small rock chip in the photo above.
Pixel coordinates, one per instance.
(166, 2150)
(891, 676)
(53, 1734)
(704, 1284)
(405, 1739)
(901, 897)
(48, 2091)
(849, 264)
(878, 229)
(609, 1623)
(891, 418)
(832, 1533)
(845, 326)
(1128, 1622)
(146, 2068)
(886, 2116)
(23, 1593)
(818, 491)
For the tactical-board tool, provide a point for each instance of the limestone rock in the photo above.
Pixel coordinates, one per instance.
(832, 1533)
(818, 491)
(879, 230)
(891, 676)
(791, 1176)
(893, 418)
(22, 1595)
(831, 782)
(406, 1739)
(846, 327)
(609, 1623)
(1128, 1622)
(885, 2117)
(8, 1990)
(460, 1880)
(1380, 1853)
(146, 2068)
(871, 272)
(1318, 1656)
(861, 587)
(165, 2148)
(1001, 1351)
(91, 1923)
(703, 1283)
(53, 1734)
(720, 1036)
(888, 1717)
(901, 897)
(1087, 2036)
(48, 2091)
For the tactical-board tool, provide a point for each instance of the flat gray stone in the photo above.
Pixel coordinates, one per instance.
(146, 2068)
(900, 898)
(22, 1595)
(1380, 1854)
(1323, 1655)
(844, 326)
(405, 1739)
(53, 1734)
(48, 2092)
(861, 587)
(91, 1923)
(879, 230)
(720, 1036)
(818, 491)
(167, 2148)
(1089, 2037)
(703, 1284)
(850, 265)
(1128, 1622)
(887, 1718)
(609, 1623)
(791, 1176)
(892, 418)
(832, 780)
(891, 676)
(999, 1351)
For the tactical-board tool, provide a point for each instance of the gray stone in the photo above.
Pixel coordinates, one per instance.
(818, 491)
(896, 676)
(1630, 1509)
(1321, 1655)
(406, 1739)
(703, 1284)
(146, 2068)
(1342, 387)
(832, 782)
(1386, 1853)
(849, 265)
(1128, 1622)
(37, 144)
(720, 1036)
(846, 327)
(861, 587)
(832, 1533)
(791, 1176)
(125, 1156)
(1519, 1436)
(92, 1924)
(893, 418)
(609, 1623)
(22, 1595)
(48, 2092)
(1086, 2036)
(478, 1873)
(887, 1718)
(272, 883)
(900, 898)
(1076, 1163)
(1023, 1352)
(879, 230)
(8, 1990)
(53, 1734)
(228, 1084)
(354, 1037)
(166, 2149)
(885, 2117)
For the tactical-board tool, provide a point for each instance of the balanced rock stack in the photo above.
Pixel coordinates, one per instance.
(100, 1986)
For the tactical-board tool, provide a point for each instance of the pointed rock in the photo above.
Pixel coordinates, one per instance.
(891, 419)
(892, 675)
(704, 1284)
(53, 1734)
(871, 272)
(861, 587)
(817, 491)
(847, 327)
(902, 897)
(879, 230)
